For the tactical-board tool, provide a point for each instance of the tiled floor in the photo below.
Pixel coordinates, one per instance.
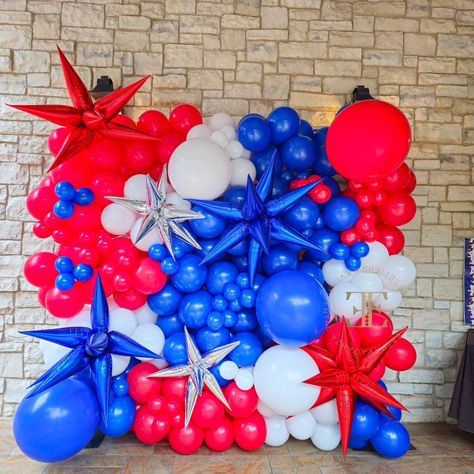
(440, 449)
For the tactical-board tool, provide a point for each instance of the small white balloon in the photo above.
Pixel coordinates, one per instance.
(335, 272)
(388, 300)
(145, 315)
(228, 370)
(52, 353)
(221, 119)
(230, 131)
(159, 363)
(199, 131)
(119, 364)
(326, 437)
(369, 282)
(245, 154)
(399, 272)
(220, 138)
(326, 414)
(265, 410)
(277, 431)
(234, 149)
(244, 379)
(144, 244)
(375, 259)
(135, 187)
(112, 304)
(301, 426)
(177, 200)
(151, 337)
(122, 320)
(241, 170)
(344, 298)
(117, 219)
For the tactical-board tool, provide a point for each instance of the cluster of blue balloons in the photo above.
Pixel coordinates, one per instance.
(70, 273)
(68, 196)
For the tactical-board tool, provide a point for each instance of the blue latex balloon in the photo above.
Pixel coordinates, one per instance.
(208, 339)
(292, 308)
(206, 246)
(230, 318)
(396, 413)
(247, 298)
(121, 417)
(287, 176)
(83, 272)
(63, 209)
(306, 129)
(319, 224)
(341, 213)
(180, 248)
(262, 159)
(312, 270)
(57, 423)
(320, 136)
(352, 263)
(219, 275)
(170, 324)
(83, 197)
(323, 238)
(298, 153)
(322, 165)
(169, 266)
(340, 251)
(303, 215)
(219, 303)
(248, 351)
(234, 305)
(166, 301)
(235, 194)
(392, 440)
(246, 321)
(120, 386)
(254, 132)
(231, 291)
(366, 421)
(280, 186)
(64, 265)
(211, 226)
(332, 185)
(64, 190)
(215, 370)
(259, 280)
(190, 275)
(157, 252)
(279, 259)
(215, 320)
(243, 280)
(65, 281)
(382, 384)
(174, 350)
(284, 123)
(195, 308)
(241, 248)
(360, 249)
(241, 262)
(355, 443)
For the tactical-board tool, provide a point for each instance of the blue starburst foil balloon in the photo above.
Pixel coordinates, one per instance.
(257, 218)
(91, 348)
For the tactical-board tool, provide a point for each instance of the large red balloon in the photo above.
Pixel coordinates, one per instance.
(208, 411)
(167, 145)
(106, 183)
(154, 123)
(175, 387)
(56, 140)
(131, 299)
(398, 180)
(141, 387)
(39, 269)
(186, 440)
(242, 402)
(332, 335)
(143, 426)
(401, 356)
(392, 237)
(368, 140)
(221, 436)
(76, 174)
(398, 209)
(65, 304)
(184, 117)
(103, 154)
(148, 277)
(250, 433)
(139, 156)
(374, 331)
(41, 201)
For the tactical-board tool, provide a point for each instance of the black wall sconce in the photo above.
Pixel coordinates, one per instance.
(103, 87)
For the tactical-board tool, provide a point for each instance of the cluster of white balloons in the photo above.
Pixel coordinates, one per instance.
(139, 325)
(381, 274)
(243, 376)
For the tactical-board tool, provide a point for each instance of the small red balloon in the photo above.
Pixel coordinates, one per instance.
(130, 299)
(175, 387)
(242, 402)
(85, 218)
(380, 198)
(391, 237)
(157, 404)
(139, 156)
(401, 356)
(167, 145)
(411, 185)
(41, 201)
(378, 373)
(374, 331)
(221, 436)
(355, 186)
(154, 123)
(160, 427)
(122, 281)
(399, 209)
(398, 180)
(141, 387)
(365, 198)
(208, 411)
(143, 426)
(73, 173)
(350, 236)
(332, 337)
(250, 433)
(39, 269)
(89, 287)
(56, 140)
(186, 440)
(65, 304)
(106, 183)
(183, 118)
(42, 296)
(148, 278)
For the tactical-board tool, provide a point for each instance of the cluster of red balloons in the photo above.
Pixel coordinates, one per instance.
(320, 194)
(160, 414)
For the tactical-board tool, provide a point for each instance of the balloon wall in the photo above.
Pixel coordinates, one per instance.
(219, 283)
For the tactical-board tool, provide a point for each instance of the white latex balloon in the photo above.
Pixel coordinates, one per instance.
(241, 170)
(343, 298)
(135, 187)
(398, 273)
(82, 319)
(228, 370)
(119, 364)
(369, 282)
(117, 219)
(122, 320)
(388, 300)
(230, 131)
(244, 379)
(279, 374)
(301, 426)
(326, 414)
(376, 258)
(335, 272)
(220, 138)
(159, 363)
(153, 237)
(221, 119)
(199, 131)
(177, 200)
(151, 337)
(199, 169)
(234, 149)
(277, 431)
(246, 154)
(326, 437)
(265, 410)
(52, 353)
(145, 315)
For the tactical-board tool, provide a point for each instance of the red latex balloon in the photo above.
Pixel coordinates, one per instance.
(139, 156)
(380, 198)
(65, 304)
(208, 411)
(160, 427)
(148, 278)
(331, 337)
(56, 140)
(85, 218)
(370, 236)
(103, 155)
(365, 198)
(378, 373)
(186, 440)
(355, 186)
(368, 140)
(124, 120)
(411, 185)
(221, 436)
(183, 118)
(130, 299)
(122, 281)
(320, 194)
(89, 288)
(175, 387)
(364, 225)
(242, 402)
(106, 183)
(127, 262)
(39, 269)
(157, 404)
(399, 209)
(143, 426)
(177, 421)
(42, 296)
(391, 237)
(41, 201)
(374, 331)
(401, 356)
(374, 185)
(250, 433)
(167, 145)
(154, 123)
(141, 387)
(73, 173)
(350, 236)
(62, 236)
(398, 180)
(173, 406)
(123, 246)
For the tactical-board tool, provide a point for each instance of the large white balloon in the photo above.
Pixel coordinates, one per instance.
(220, 120)
(199, 169)
(388, 300)
(265, 410)
(151, 337)
(326, 414)
(301, 426)
(369, 282)
(326, 437)
(279, 374)
(117, 219)
(144, 244)
(135, 187)
(199, 131)
(145, 315)
(122, 320)
(277, 431)
(344, 298)
(241, 170)
(82, 319)
(398, 273)
(376, 258)
(52, 353)
(119, 364)
(335, 272)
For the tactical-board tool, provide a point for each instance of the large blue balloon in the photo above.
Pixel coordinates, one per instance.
(254, 132)
(211, 226)
(57, 423)
(170, 324)
(248, 351)
(298, 153)
(284, 123)
(208, 340)
(280, 258)
(396, 413)
(392, 440)
(355, 443)
(262, 159)
(219, 274)
(235, 194)
(246, 321)
(323, 238)
(366, 421)
(166, 301)
(174, 350)
(306, 129)
(341, 213)
(303, 215)
(191, 275)
(312, 270)
(195, 308)
(292, 308)
(121, 417)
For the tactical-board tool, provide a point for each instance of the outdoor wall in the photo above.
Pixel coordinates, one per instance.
(250, 56)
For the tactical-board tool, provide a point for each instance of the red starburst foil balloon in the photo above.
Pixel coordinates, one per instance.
(85, 118)
(347, 375)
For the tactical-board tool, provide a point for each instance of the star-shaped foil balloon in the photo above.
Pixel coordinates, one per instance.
(199, 374)
(166, 217)
(346, 376)
(90, 348)
(257, 218)
(85, 119)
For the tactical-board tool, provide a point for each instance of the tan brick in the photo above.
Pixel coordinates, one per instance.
(459, 46)
(205, 79)
(46, 27)
(437, 65)
(274, 17)
(81, 14)
(16, 37)
(219, 59)
(264, 51)
(180, 6)
(396, 24)
(276, 86)
(345, 38)
(199, 24)
(419, 45)
(375, 57)
(131, 40)
(249, 72)
(180, 55)
(335, 68)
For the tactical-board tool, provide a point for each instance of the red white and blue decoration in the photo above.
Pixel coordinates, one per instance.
(218, 284)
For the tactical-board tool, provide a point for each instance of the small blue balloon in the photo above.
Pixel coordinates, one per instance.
(83, 197)
(241, 263)
(262, 159)
(63, 209)
(157, 252)
(355, 443)
(234, 305)
(280, 258)
(298, 153)
(248, 351)
(319, 224)
(166, 301)
(191, 275)
(366, 421)
(395, 412)
(303, 215)
(312, 270)
(321, 165)
(280, 186)
(215, 320)
(180, 248)
(211, 226)
(235, 194)
(230, 318)
(195, 308)
(320, 136)
(121, 415)
(306, 129)
(254, 133)
(206, 246)
(208, 339)
(83, 272)
(243, 280)
(169, 266)
(284, 122)
(246, 321)
(241, 248)
(303, 174)
(231, 291)
(170, 324)
(352, 263)
(392, 440)
(219, 303)
(332, 184)
(360, 249)
(120, 386)
(174, 350)
(219, 275)
(323, 238)
(287, 176)
(64, 190)
(340, 251)
(215, 370)
(65, 281)
(258, 281)
(341, 213)
(247, 298)
(64, 265)
(382, 384)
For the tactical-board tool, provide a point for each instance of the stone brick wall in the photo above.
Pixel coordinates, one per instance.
(253, 55)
